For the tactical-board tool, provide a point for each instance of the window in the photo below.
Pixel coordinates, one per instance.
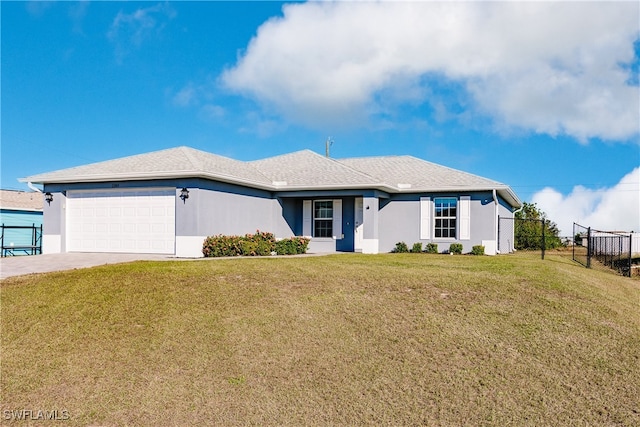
(323, 218)
(445, 217)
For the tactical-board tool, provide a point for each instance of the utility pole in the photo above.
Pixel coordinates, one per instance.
(328, 143)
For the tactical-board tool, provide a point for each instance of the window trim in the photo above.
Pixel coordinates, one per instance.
(455, 218)
(314, 219)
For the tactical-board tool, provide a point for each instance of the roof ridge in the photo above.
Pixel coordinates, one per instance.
(356, 170)
(283, 155)
(189, 153)
(324, 159)
(198, 164)
(389, 156)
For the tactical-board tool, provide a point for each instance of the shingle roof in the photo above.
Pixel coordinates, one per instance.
(301, 170)
(21, 200)
(306, 168)
(407, 172)
(170, 163)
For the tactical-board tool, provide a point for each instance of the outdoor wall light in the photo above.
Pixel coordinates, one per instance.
(184, 194)
(48, 197)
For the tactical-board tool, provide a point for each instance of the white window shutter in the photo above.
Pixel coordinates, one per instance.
(425, 217)
(465, 217)
(337, 218)
(306, 218)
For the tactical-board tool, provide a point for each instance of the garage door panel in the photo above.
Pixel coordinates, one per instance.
(121, 221)
(158, 228)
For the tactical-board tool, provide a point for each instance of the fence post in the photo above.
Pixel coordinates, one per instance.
(589, 247)
(630, 252)
(544, 239)
(573, 246)
(33, 238)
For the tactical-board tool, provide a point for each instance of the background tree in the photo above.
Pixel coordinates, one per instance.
(528, 229)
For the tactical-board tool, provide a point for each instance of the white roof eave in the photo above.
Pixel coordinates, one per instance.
(503, 190)
(142, 176)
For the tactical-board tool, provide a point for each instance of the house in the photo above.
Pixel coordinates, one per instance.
(20, 216)
(168, 201)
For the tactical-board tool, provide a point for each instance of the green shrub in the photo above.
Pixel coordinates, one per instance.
(401, 248)
(455, 248)
(217, 246)
(302, 244)
(477, 250)
(285, 247)
(431, 248)
(258, 244)
(416, 248)
(292, 246)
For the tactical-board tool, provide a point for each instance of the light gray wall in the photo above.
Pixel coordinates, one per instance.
(506, 228)
(400, 221)
(54, 215)
(219, 208)
(212, 208)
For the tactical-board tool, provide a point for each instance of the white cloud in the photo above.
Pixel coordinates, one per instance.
(185, 96)
(131, 30)
(212, 112)
(608, 209)
(551, 67)
(38, 8)
(199, 97)
(77, 13)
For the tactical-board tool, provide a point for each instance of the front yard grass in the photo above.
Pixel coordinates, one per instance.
(397, 339)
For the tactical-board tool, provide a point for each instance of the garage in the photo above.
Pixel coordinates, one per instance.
(125, 221)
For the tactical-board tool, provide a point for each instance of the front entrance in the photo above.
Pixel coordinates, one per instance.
(358, 224)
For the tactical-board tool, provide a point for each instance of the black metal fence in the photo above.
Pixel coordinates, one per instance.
(20, 240)
(611, 249)
(581, 245)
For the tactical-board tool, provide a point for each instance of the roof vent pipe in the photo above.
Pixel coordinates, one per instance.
(328, 143)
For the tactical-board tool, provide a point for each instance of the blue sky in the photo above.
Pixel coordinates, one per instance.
(541, 96)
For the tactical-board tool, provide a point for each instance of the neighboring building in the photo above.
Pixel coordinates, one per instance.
(134, 204)
(20, 208)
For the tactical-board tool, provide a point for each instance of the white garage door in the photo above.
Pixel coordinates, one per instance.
(129, 221)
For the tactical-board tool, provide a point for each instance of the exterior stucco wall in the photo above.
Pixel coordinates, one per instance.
(218, 208)
(211, 208)
(506, 228)
(54, 220)
(400, 221)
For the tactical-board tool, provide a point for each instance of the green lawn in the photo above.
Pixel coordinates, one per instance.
(396, 339)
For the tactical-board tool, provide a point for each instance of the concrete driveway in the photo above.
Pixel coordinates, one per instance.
(19, 265)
